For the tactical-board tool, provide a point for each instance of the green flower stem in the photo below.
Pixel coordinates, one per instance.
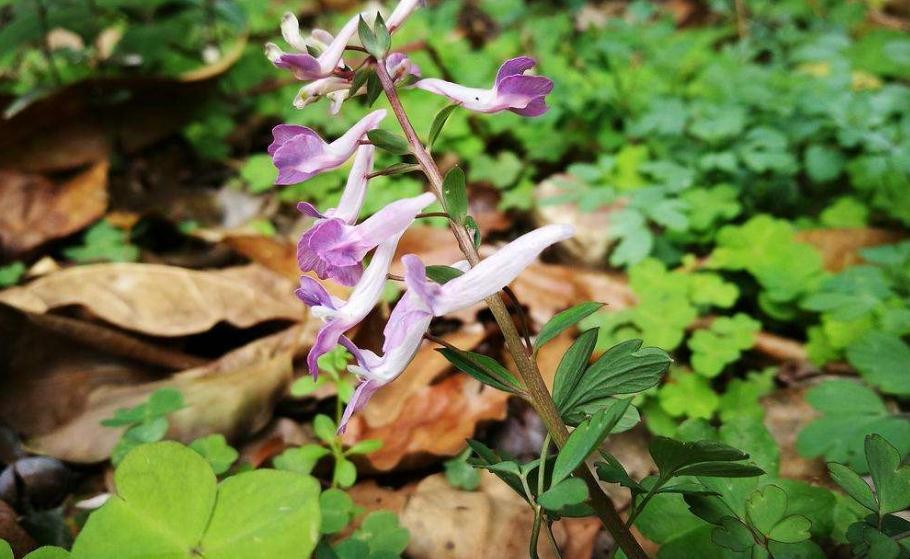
(538, 395)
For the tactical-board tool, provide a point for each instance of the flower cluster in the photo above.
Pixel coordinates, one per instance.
(338, 243)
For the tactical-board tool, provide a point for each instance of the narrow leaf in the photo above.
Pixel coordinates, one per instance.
(584, 439)
(388, 141)
(442, 274)
(572, 366)
(456, 194)
(360, 78)
(483, 368)
(439, 121)
(564, 320)
(374, 88)
(367, 37)
(398, 169)
(720, 469)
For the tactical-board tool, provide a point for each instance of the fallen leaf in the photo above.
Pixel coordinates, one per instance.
(233, 396)
(786, 414)
(840, 247)
(590, 243)
(164, 300)
(490, 523)
(10, 531)
(417, 419)
(36, 210)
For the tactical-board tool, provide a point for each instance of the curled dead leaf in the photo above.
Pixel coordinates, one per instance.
(163, 300)
(36, 210)
(233, 396)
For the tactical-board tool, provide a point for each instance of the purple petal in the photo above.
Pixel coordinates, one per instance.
(536, 107)
(304, 66)
(362, 395)
(284, 132)
(394, 218)
(313, 294)
(525, 86)
(355, 189)
(309, 210)
(415, 278)
(328, 250)
(515, 67)
(326, 339)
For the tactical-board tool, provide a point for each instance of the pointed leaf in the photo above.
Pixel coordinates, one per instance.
(572, 366)
(584, 439)
(853, 485)
(485, 369)
(720, 469)
(392, 143)
(566, 493)
(439, 121)
(564, 320)
(442, 274)
(456, 194)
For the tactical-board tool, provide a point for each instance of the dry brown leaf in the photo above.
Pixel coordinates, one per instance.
(233, 396)
(786, 414)
(416, 419)
(591, 243)
(840, 247)
(164, 300)
(36, 210)
(490, 523)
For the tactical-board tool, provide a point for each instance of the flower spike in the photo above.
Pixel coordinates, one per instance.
(304, 65)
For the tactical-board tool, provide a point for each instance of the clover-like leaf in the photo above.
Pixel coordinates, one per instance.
(890, 476)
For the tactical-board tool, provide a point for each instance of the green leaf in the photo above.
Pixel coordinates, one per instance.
(890, 476)
(456, 194)
(47, 552)
(882, 360)
(853, 485)
(563, 321)
(443, 274)
(626, 368)
(103, 243)
(345, 473)
(6, 551)
(377, 40)
(325, 428)
(766, 507)
(733, 534)
(392, 143)
(263, 513)
(721, 469)
(792, 529)
(367, 446)
(216, 451)
(571, 368)
(485, 369)
(439, 121)
(398, 169)
(823, 163)
(460, 474)
(584, 439)
(671, 455)
(11, 273)
(259, 173)
(337, 509)
(383, 534)
(722, 343)
(301, 460)
(568, 492)
(374, 89)
(688, 394)
(166, 506)
(850, 411)
(360, 78)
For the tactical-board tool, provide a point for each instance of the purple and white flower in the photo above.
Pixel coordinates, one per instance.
(304, 65)
(300, 153)
(334, 247)
(512, 90)
(340, 316)
(425, 299)
(402, 11)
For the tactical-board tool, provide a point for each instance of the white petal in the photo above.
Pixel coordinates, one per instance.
(290, 30)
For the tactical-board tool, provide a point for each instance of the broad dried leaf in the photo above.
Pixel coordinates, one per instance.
(164, 300)
(490, 523)
(233, 396)
(36, 210)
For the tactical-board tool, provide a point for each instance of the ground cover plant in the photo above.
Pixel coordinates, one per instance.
(630, 275)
